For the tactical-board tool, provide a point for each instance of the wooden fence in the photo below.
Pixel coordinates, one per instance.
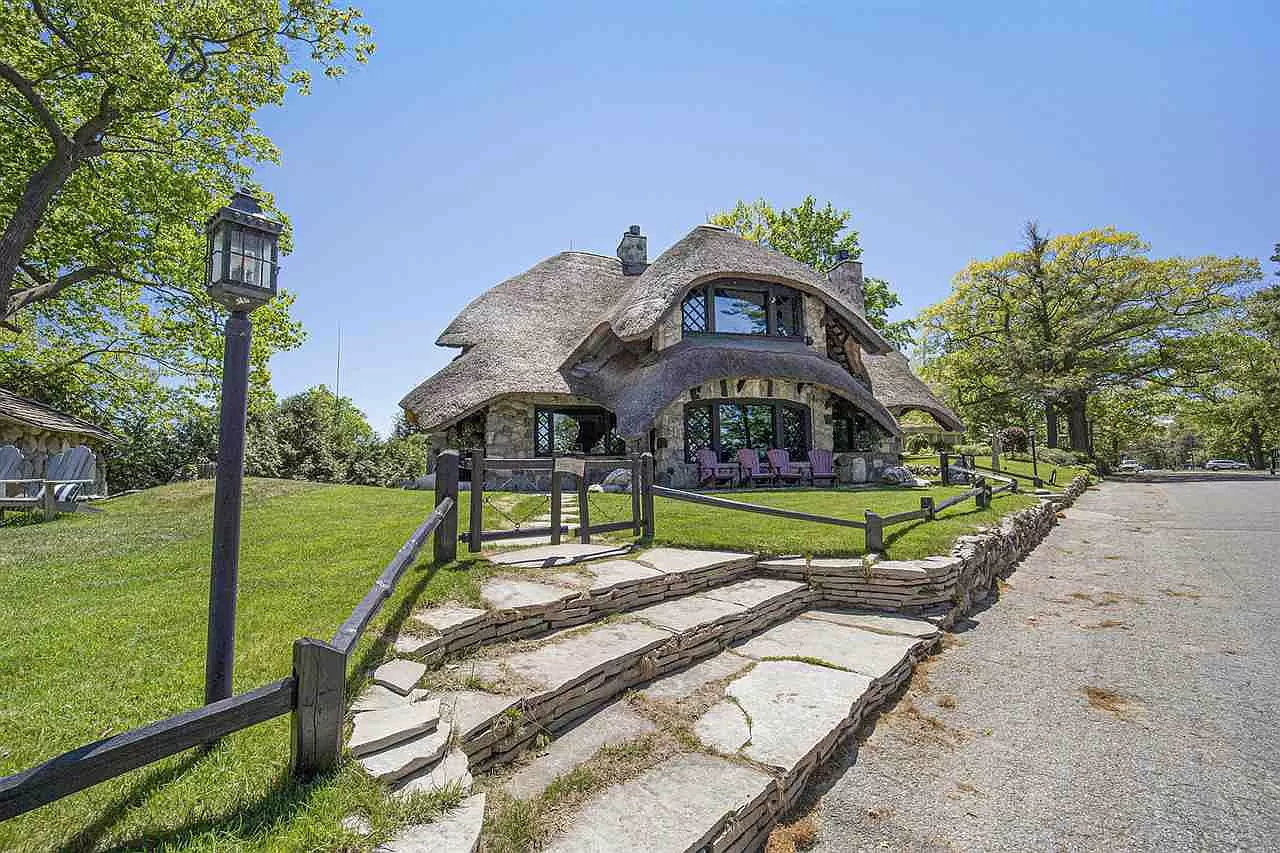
(314, 693)
(559, 467)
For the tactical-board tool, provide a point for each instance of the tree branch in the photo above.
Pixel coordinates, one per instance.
(50, 288)
(32, 97)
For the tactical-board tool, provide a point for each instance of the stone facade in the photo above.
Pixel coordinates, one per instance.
(37, 445)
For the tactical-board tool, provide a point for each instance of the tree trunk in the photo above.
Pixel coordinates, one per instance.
(1077, 421)
(1050, 423)
(26, 219)
(1255, 446)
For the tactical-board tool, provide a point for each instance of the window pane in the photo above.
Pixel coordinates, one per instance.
(237, 239)
(216, 273)
(697, 431)
(566, 434)
(733, 431)
(694, 311)
(794, 438)
(788, 313)
(237, 267)
(759, 420)
(543, 434)
(741, 312)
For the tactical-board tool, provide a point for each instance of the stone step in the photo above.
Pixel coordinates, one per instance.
(793, 693)
(405, 758)
(569, 675)
(399, 675)
(525, 607)
(377, 730)
(455, 831)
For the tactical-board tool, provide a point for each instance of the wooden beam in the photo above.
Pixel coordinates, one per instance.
(725, 503)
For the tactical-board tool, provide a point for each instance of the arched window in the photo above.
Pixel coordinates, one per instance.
(727, 426)
(738, 306)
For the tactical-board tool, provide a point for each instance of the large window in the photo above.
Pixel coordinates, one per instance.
(852, 430)
(576, 429)
(727, 426)
(731, 306)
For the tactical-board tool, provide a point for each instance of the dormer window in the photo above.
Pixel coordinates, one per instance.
(734, 306)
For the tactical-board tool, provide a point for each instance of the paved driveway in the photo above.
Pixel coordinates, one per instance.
(1121, 694)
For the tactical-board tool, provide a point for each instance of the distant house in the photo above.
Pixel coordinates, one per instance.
(40, 431)
(719, 343)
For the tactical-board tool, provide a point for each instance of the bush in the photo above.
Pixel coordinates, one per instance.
(918, 444)
(1013, 439)
(973, 449)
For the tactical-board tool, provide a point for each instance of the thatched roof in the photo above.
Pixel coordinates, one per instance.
(517, 335)
(39, 416)
(574, 324)
(652, 385)
(710, 251)
(899, 389)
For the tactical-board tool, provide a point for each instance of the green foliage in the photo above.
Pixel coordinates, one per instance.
(918, 444)
(1062, 319)
(817, 237)
(123, 125)
(973, 449)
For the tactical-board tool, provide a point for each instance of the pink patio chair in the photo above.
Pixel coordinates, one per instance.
(783, 470)
(752, 471)
(710, 471)
(821, 467)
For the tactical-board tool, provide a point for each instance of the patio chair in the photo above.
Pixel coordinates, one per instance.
(58, 491)
(822, 467)
(752, 471)
(710, 470)
(783, 470)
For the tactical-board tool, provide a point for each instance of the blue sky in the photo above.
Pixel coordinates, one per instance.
(482, 138)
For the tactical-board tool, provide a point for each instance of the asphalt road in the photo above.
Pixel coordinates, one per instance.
(1121, 693)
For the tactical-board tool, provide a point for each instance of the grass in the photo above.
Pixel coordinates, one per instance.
(682, 524)
(1066, 473)
(104, 620)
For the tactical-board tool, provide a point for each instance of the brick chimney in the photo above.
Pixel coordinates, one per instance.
(633, 251)
(846, 278)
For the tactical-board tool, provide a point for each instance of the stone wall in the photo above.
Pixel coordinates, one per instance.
(37, 445)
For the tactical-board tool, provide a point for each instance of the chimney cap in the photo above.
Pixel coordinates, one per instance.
(634, 229)
(842, 255)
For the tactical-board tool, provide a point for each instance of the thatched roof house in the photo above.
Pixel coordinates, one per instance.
(720, 343)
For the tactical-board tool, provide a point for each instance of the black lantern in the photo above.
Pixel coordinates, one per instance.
(243, 255)
(243, 250)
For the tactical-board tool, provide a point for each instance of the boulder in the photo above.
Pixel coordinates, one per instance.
(896, 475)
(857, 467)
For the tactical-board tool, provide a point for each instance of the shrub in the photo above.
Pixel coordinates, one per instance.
(973, 449)
(917, 444)
(1013, 438)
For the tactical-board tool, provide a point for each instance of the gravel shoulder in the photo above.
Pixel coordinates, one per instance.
(1121, 693)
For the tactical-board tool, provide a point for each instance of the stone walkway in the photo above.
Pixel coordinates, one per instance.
(1121, 695)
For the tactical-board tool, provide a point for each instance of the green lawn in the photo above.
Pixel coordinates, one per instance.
(683, 524)
(1066, 473)
(104, 618)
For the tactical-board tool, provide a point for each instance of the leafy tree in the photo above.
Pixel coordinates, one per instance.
(817, 237)
(123, 125)
(1056, 322)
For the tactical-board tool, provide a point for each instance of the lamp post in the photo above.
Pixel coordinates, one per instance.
(242, 265)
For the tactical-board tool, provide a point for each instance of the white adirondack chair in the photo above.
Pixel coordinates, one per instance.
(66, 473)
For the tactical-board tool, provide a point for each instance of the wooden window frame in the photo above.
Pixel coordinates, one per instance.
(773, 403)
(707, 292)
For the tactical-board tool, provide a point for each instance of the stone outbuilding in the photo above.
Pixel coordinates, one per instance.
(40, 431)
(719, 343)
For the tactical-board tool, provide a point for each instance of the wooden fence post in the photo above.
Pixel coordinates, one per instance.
(983, 497)
(635, 494)
(944, 467)
(646, 493)
(477, 500)
(320, 671)
(926, 505)
(584, 511)
(556, 486)
(446, 535)
(875, 532)
(48, 499)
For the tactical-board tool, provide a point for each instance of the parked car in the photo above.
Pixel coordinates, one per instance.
(1129, 466)
(1223, 465)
